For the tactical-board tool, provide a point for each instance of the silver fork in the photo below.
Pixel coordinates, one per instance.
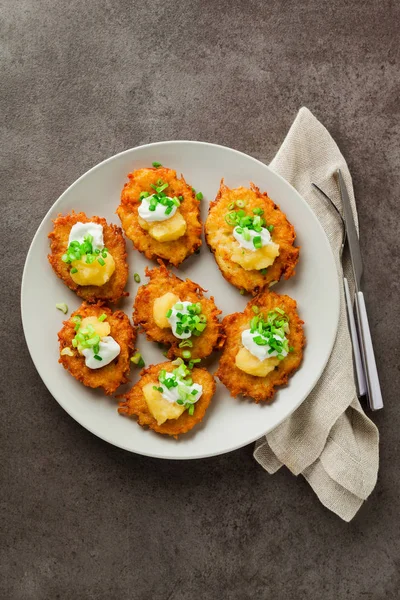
(358, 366)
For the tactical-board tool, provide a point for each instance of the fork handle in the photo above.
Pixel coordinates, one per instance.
(358, 365)
(371, 372)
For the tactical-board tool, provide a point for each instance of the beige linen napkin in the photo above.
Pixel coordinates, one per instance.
(328, 439)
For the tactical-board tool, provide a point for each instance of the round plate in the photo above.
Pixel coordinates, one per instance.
(229, 423)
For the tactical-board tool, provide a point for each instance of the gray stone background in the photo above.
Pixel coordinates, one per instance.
(84, 80)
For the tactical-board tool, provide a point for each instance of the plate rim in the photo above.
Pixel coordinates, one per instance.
(234, 446)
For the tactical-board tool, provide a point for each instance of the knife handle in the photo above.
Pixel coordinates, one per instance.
(358, 365)
(371, 373)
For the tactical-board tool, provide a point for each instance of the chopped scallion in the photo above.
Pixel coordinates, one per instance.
(137, 359)
(63, 307)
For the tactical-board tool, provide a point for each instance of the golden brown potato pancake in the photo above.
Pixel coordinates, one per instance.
(261, 389)
(219, 237)
(111, 376)
(113, 240)
(135, 404)
(175, 251)
(161, 282)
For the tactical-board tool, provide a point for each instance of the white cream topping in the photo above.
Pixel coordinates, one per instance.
(173, 319)
(172, 394)
(260, 352)
(108, 350)
(248, 244)
(154, 215)
(80, 230)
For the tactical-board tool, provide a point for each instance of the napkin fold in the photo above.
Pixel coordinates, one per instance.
(328, 439)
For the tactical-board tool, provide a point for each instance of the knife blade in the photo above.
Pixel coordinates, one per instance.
(374, 394)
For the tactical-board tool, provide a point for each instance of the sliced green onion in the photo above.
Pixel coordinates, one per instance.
(260, 341)
(191, 409)
(63, 307)
(137, 359)
(194, 361)
(246, 235)
(186, 344)
(102, 317)
(156, 164)
(280, 311)
(255, 310)
(136, 277)
(178, 361)
(143, 195)
(101, 261)
(258, 211)
(263, 271)
(257, 241)
(291, 349)
(158, 389)
(270, 228)
(97, 357)
(199, 196)
(242, 292)
(66, 351)
(73, 270)
(186, 354)
(169, 313)
(240, 203)
(231, 218)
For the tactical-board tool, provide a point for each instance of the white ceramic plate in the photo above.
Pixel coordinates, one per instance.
(229, 423)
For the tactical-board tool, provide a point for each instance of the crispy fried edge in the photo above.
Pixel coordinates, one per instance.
(161, 282)
(259, 388)
(284, 265)
(121, 330)
(136, 405)
(114, 240)
(173, 252)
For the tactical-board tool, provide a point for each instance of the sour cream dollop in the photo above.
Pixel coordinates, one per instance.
(108, 350)
(155, 215)
(80, 230)
(249, 244)
(172, 394)
(173, 319)
(260, 352)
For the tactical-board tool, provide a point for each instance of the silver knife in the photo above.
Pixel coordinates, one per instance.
(374, 394)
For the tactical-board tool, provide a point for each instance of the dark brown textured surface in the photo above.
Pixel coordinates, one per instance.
(83, 80)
